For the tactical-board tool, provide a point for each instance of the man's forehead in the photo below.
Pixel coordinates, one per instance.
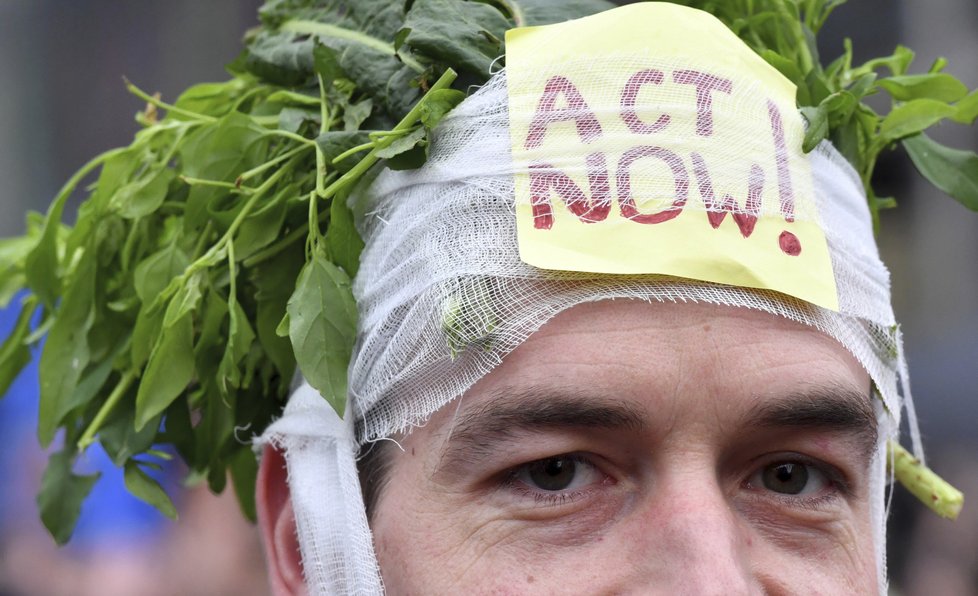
(693, 327)
(622, 363)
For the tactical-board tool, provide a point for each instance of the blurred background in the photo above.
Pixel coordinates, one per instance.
(62, 101)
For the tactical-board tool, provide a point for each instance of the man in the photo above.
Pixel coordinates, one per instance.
(635, 448)
(612, 387)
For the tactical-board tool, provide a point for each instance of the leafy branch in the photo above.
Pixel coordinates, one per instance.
(832, 98)
(177, 307)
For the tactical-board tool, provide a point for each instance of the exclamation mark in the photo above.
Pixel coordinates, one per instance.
(789, 243)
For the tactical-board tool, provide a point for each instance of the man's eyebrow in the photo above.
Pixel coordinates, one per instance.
(833, 408)
(509, 411)
(477, 433)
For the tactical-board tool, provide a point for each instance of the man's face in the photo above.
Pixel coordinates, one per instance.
(642, 448)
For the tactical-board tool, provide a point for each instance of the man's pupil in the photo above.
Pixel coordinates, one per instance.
(555, 473)
(786, 478)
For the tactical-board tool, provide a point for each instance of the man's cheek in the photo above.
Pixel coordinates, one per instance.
(447, 551)
(822, 554)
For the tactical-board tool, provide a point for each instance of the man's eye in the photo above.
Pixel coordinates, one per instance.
(790, 478)
(558, 473)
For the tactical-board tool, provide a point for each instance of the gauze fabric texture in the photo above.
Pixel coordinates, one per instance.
(443, 297)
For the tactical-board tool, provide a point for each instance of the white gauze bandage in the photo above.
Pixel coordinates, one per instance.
(443, 295)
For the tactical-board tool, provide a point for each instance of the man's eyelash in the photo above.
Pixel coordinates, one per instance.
(548, 499)
(512, 482)
(838, 485)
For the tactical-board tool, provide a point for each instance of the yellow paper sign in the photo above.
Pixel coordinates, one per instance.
(649, 139)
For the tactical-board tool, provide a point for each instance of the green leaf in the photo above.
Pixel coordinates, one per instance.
(818, 126)
(326, 64)
(211, 344)
(168, 372)
(11, 283)
(437, 104)
(275, 282)
(143, 195)
(528, 13)
(356, 113)
(116, 172)
(342, 240)
(403, 143)
(244, 472)
(951, 170)
(791, 71)
(119, 436)
(155, 272)
(210, 99)
(146, 332)
(213, 434)
(939, 86)
(411, 159)
(862, 85)
(913, 117)
(817, 86)
(281, 58)
(178, 431)
(466, 35)
(292, 119)
(322, 327)
(13, 252)
(361, 35)
(240, 338)
(897, 63)
(66, 352)
(93, 381)
(185, 301)
(61, 496)
(967, 109)
(14, 353)
(42, 264)
(282, 329)
(840, 105)
(143, 487)
(262, 226)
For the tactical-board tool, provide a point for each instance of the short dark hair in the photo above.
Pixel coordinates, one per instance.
(373, 466)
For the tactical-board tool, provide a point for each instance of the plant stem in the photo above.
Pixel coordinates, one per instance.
(932, 490)
(160, 104)
(89, 436)
(268, 164)
(291, 135)
(199, 246)
(323, 127)
(216, 183)
(353, 151)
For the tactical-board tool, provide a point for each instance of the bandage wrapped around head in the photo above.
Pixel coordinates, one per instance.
(665, 165)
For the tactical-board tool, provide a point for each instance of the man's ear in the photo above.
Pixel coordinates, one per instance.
(276, 522)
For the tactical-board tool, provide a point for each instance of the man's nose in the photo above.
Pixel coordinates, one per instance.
(695, 543)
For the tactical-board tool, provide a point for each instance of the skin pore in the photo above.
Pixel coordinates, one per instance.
(635, 448)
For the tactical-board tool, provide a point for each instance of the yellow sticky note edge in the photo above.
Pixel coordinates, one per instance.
(666, 40)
